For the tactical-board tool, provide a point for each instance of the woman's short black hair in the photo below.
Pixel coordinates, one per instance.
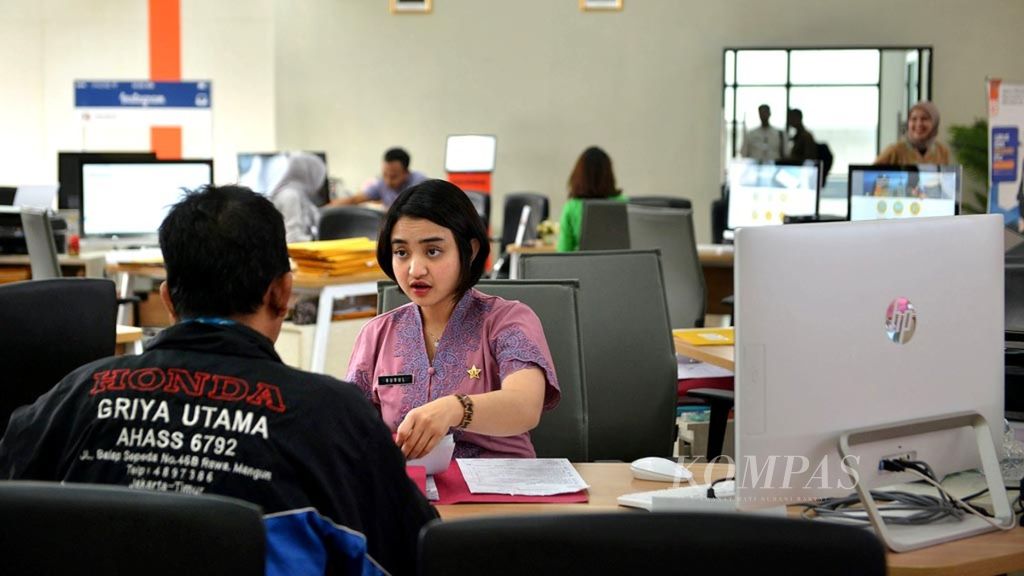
(444, 204)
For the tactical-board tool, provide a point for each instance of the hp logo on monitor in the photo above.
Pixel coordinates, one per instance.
(900, 321)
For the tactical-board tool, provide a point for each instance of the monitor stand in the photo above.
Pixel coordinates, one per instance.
(903, 538)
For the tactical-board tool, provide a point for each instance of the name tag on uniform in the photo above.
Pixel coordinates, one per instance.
(397, 379)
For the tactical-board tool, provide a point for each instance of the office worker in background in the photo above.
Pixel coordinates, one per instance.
(920, 144)
(211, 386)
(803, 147)
(453, 359)
(294, 196)
(591, 178)
(764, 143)
(395, 178)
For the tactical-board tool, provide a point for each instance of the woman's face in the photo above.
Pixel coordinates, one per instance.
(425, 259)
(919, 125)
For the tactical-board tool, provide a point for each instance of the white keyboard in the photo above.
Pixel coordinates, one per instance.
(695, 496)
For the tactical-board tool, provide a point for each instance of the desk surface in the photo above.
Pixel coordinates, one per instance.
(992, 553)
(719, 255)
(721, 356)
(128, 334)
(303, 281)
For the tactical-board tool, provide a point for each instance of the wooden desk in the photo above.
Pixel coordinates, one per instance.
(991, 553)
(18, 266)
(607, 482)
(721, 356)
(329, 288)
(128, 336)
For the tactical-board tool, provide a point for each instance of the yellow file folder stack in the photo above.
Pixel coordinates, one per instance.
(348, 257)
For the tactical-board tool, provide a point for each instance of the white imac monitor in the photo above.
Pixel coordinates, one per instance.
(841, 326)
(911, 191)
(131, 199)
(470, 153)
(763, 194)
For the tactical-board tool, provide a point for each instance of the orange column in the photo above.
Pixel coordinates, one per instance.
(165, 66)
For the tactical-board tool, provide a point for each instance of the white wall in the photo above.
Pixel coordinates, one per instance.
(47, 44)
(644, 83)
(347, 77)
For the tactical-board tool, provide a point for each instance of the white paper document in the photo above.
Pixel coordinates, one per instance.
(687, 368)
(521, 476)
(432, 493)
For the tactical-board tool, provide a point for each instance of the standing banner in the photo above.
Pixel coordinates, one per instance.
(1005, 128)
(133, 115)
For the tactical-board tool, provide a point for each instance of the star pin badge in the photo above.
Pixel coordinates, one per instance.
(474, 373)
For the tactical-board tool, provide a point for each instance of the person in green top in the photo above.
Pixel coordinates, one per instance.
(591, 178)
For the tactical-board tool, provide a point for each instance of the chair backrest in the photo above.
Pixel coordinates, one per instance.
(50, 528)
(628, 355)
(42, 249)
(51, 327)
(1014, 294)
(604, 225)
(514, 207)
(661, 201)
(482, 202)
(562, 432)
(349, 222)
(619, 543)
(671, 231)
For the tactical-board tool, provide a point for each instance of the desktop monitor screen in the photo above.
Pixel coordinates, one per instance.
(261, 171)
(763, 194)
(470, 153)
(69, 172)
(912, 191)
(845, 325)
(132, 198)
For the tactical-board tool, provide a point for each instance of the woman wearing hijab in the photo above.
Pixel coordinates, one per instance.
(919, 145)
(293, 196)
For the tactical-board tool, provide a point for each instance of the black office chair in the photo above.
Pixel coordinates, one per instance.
(604, 225)
(661, 201)
(1014, 325)
(562, 432)
(482, 202)
(622, 543)
(514, 203)
(52, 528)
(628, 354)
(349, 222)
(51, 327)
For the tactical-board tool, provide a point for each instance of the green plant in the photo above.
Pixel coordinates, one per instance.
(970, 143)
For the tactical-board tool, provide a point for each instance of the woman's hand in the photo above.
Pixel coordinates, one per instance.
(424, 426)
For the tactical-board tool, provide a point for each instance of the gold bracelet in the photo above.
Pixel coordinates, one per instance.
(467, 410)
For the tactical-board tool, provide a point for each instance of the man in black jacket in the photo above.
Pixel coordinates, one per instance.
(210, 407)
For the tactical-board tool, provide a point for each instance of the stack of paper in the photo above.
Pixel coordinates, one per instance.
(521, 476)
(335, 257)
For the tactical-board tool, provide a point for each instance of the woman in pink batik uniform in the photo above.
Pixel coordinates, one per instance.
(454, 359)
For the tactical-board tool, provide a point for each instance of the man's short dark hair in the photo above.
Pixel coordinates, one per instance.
(444, 204)
(222, 248)
(398, 155)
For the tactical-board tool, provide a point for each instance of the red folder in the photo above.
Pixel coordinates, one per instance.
(418, 474)
(452, 489)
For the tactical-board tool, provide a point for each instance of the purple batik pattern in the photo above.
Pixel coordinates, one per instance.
(461, 336)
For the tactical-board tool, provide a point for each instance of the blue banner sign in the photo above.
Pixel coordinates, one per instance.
(142, 94)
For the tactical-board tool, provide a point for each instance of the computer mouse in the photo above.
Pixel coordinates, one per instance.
(659, 469)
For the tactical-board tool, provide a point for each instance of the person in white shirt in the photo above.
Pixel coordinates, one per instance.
(764, 143)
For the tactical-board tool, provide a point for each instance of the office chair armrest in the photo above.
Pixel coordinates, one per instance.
(713, 396)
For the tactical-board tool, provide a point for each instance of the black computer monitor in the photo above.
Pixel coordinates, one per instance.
(131, 198)
(69, 172)
(907, 191)
(765, 193)
(261, 171)
(7, 195)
